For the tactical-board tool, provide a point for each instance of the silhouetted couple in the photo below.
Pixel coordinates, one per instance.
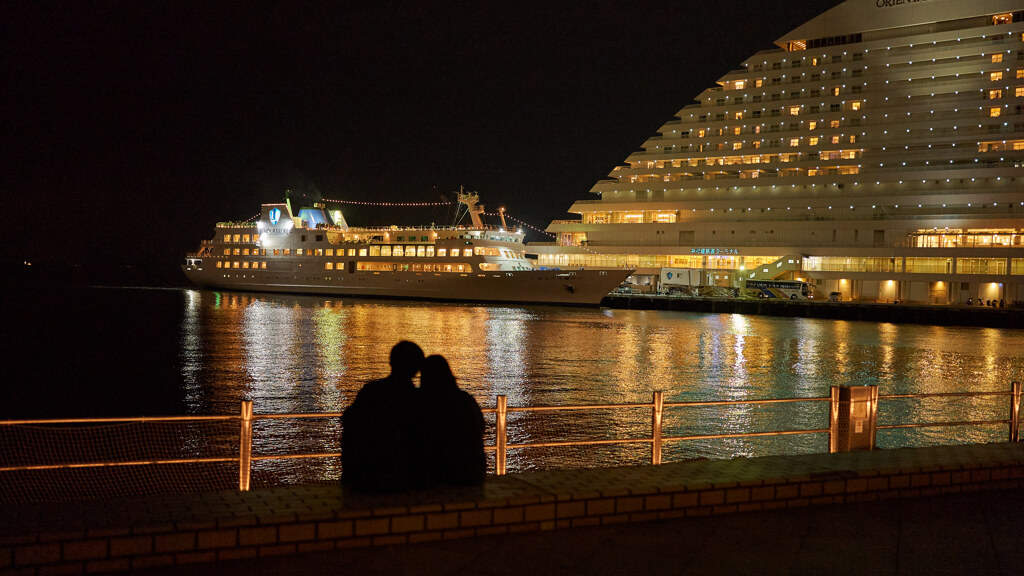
(396, 436)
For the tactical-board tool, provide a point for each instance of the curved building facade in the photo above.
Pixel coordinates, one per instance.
(877, 152)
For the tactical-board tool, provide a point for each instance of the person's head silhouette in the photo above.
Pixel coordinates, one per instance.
(437, 376)
(406, 359)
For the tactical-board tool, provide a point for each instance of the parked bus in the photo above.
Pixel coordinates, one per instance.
(778, 289)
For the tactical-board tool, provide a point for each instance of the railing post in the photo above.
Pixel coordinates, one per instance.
(245, 447)
(833, 421)
(501, 434)
(853, 420)
(1015, 412)
(656, 427)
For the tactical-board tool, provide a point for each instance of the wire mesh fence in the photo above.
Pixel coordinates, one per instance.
(83, 459)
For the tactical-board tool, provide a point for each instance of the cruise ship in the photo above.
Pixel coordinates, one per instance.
(875, 153)
(315, 251)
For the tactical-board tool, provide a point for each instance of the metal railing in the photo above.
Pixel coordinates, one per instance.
(852, 426)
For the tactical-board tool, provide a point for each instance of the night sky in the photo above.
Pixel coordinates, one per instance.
(129, 129)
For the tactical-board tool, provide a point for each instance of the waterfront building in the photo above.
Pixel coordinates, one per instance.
(877, 152)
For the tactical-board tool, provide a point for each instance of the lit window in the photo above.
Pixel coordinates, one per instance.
(227, 251)
(758, 83)
(442, 252)
(234, 264)
(737, 145)
(362, 251)
(398, 251)
(328, 265)
(853, 138)
(238, 237)
(813, 141)
(812, 125)
(701, 132)
(794, 110)
(330, 251)
(995, 111)
(1019, 92)
(421, 251)
(833, 124)
(351, 251)
(757, 129)
(245, 238)
(794, 141)
(995, 94)
(756, 144)
(855, 105)
(219, 264)
(738, 116)
(1006, 18)
(835, 91)
(263, 265)
(995, 76)
(237, 251)
(455, 252)
(287, 251)
(245, 251)
(1020, 73)
(298, 251)
(997, 58)
(835, 139)
(245, 264)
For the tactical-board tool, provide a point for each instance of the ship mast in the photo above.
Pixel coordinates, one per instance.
(473, 206)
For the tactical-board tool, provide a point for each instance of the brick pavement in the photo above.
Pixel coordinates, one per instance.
(149, 532)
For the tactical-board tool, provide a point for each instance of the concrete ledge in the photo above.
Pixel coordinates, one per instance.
(127, 534)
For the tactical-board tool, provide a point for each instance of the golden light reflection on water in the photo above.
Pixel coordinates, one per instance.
(311, 354)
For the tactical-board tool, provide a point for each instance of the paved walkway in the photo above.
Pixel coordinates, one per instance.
(977, 533)
(943, 509)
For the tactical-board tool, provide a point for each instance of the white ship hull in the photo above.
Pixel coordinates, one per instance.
(576, 287)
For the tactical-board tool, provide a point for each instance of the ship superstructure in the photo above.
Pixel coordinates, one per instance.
(878, 152)
(314, 250)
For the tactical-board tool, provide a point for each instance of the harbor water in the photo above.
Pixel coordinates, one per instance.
(131, 352)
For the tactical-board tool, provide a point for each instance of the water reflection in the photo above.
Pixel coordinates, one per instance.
(312, 354)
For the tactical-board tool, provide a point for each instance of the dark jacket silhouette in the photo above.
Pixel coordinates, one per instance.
(453, 429)
(381, 428)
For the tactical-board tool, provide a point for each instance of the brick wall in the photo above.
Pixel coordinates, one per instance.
(146, 545)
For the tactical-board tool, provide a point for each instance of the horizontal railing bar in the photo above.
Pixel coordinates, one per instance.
(931, 424)
(297, 415)
(732, 402)
(942, 394)
(745, 435)
(139, 419)
(297, 456)
(581, 443)
(117, 464)
(576, 407)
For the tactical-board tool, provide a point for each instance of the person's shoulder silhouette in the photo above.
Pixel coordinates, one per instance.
(380, 429)
(453, 428)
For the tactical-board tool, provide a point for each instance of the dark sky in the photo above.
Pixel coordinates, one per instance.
(130, 128)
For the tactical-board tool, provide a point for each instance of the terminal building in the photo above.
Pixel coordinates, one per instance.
(877, 152)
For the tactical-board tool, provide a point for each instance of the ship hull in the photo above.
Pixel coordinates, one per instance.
(561, 287)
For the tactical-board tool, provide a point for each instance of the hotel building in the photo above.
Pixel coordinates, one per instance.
(877, 152)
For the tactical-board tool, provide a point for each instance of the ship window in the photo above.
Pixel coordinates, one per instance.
(410, 250)
(401, 238)
(255, 237)
(455, 252)
(237, 237)
(374, 250)
(399, 251)
(245, 264)
(227, 251)
(219, 263)
(330, 251)
(423, 238)
(421, 251)
(234, 264)
(351, 251)
(442, 252)
(287, 251)
(298, 251)
(263, 265)
(245, 238)
(329, 266)
(362, 251)
(430, 251)
(237, 251)
(245, 251)
(385, 250)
